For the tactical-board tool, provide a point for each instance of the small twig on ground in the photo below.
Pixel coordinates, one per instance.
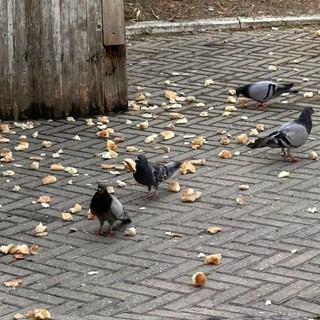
(157, 17)
(220, 6)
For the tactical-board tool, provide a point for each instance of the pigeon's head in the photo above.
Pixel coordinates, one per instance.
(311, 109)
(307, 112)
(243, 90)
(102, 187)
(141, 159)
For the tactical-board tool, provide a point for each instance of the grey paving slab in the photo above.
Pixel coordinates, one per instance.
(270, 246)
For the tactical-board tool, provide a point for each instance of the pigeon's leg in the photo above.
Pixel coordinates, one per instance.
(284, 152)
(109, 233)
(261, 105)
(99, 232)
(150, 194)
(292, 158)
(156, 194)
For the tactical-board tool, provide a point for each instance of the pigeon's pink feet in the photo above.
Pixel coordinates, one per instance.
(98, 232)
(292, 158)
(108, 233)
(261, 105)
(152, 195)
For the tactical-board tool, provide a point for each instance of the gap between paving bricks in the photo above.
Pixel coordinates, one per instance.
(156, 27)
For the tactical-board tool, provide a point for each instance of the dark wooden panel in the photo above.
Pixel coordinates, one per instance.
(113, 22)
(115, 79)
(52, 59)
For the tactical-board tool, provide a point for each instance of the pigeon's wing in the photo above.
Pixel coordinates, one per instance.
(159, 173)
(116, 209)
(262, 91)
(272, 140)
(163, 172)
(295, 134)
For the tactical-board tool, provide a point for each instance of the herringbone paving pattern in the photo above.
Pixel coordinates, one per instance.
(270, 246)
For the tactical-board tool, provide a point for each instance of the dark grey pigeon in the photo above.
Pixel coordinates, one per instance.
(107, 208)
(263, 91)
(291, 134)
(152, 174)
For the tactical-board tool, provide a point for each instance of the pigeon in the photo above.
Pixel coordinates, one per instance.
(263, 91)
(107, 207)
(152, 174)
(291, 134)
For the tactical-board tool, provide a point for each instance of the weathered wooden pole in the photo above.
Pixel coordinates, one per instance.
(114, 77)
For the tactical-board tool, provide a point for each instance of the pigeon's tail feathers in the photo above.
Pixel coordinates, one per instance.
(277, 139)
(126, 219)
(258, 143)
(172, 167)
(286, 87)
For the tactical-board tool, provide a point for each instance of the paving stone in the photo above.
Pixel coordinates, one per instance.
(176, 315)
(311, 308)
(157, 302)
(287, 292)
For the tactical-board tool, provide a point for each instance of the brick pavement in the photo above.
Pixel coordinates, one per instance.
(270, 246)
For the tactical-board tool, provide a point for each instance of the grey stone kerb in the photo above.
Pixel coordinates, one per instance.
(153, 27)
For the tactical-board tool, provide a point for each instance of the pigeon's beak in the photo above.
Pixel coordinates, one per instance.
(101, 189)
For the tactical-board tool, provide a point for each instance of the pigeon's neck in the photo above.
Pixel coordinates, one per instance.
(305, 120)
(146, 166)
(105, 197)
(100, 202)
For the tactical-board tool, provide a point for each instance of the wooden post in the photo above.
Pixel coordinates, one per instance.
(115, 84)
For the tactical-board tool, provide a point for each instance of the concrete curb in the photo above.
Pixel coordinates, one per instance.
(156, 27)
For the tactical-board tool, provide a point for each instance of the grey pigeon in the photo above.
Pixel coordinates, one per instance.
(291, 134)
(263, 91)
(107, 207)
(152, 174)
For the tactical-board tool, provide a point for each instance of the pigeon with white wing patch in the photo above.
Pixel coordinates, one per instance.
(263, 91)
(107, 208)
(291, 134)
